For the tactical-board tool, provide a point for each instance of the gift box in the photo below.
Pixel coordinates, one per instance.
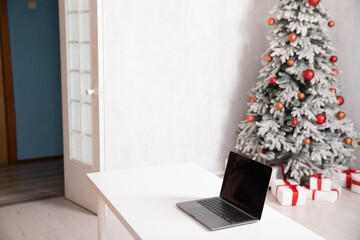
(318, 182)
(288, 192)
(277, 173)
(330, 196)
(355, 183)
(345, 178)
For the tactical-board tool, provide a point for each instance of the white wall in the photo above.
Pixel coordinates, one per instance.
(177, 72)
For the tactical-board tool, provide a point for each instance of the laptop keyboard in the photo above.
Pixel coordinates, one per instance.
(224, 210)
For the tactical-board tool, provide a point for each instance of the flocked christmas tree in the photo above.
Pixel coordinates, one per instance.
(295, 105)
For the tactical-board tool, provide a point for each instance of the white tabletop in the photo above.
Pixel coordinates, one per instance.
(144, 200)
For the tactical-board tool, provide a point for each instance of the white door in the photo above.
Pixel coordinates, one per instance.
(81, 98)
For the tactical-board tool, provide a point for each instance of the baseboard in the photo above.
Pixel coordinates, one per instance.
(30, 160)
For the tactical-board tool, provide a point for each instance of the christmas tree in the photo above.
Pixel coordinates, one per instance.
(294, 108)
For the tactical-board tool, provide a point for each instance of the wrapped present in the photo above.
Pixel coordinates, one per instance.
(355, 183)
(345, 179)
(318, 182)
(330, 196)
(288, 192)
(277, 172)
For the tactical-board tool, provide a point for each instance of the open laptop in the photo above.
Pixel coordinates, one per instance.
(242, 196)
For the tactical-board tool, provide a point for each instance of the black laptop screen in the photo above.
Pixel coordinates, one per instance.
(245, 183)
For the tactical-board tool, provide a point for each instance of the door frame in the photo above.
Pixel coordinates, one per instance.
(8, 84)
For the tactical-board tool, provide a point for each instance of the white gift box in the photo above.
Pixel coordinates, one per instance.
(355, 183)
(330, 196)
(277, 173)
(346, 176)
(288, 192)
(317, 182)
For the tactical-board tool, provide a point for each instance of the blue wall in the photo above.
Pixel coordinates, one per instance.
(35, 56)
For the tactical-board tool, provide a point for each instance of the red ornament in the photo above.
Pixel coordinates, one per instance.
(340, 115)
(263, 151)
(292, 37)
(254, 98)
(249, 98)
(348, 140)
(309, 74)
(294, 122)
(273, 80)
(333, 58)
(271, 21)
(341, 100)
(333, 90)
(331, 23)
(336, 71)
(321, 119)
(279, 106)
(290, 62)
(301, 95)
(314, 2)
(249, 118)
(268, 58)
(307, 141)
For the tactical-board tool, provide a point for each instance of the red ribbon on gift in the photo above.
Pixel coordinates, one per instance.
(319, 180)
(318, 176)
(348, 176)
(355, 182)
(293, 188)
(287, 184)
(314, 191)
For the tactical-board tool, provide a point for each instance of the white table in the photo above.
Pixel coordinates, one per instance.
(144, 200)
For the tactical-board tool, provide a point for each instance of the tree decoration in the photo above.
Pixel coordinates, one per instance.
(271, 21)
(290, 62)
(314, 2)
(307, 141)
(306, 126)
(279, 106)
(292, 37)
(249, 98)
(294, 122)
(348, 141)
(331, 23)
(301, 96)
(341, 100)
(268, 58)
(254, 98)
(336, 71)
(250, 118)
(309, 74)
(321, 119)
(263, 151)
(272, 80)
(333, 58)
(340, 115)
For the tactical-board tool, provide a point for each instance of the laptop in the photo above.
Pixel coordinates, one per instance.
(242, 196)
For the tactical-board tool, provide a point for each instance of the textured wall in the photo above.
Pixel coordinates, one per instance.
(177, 74)
(35, 57)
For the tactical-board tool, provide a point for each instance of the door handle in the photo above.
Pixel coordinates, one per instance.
(90, 91)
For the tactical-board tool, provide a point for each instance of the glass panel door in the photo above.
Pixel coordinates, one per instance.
(79, 80)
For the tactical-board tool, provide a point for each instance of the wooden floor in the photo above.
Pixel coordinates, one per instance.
(55, 219)
(31, 181)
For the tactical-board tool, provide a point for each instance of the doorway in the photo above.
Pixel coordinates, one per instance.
(31, 150)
